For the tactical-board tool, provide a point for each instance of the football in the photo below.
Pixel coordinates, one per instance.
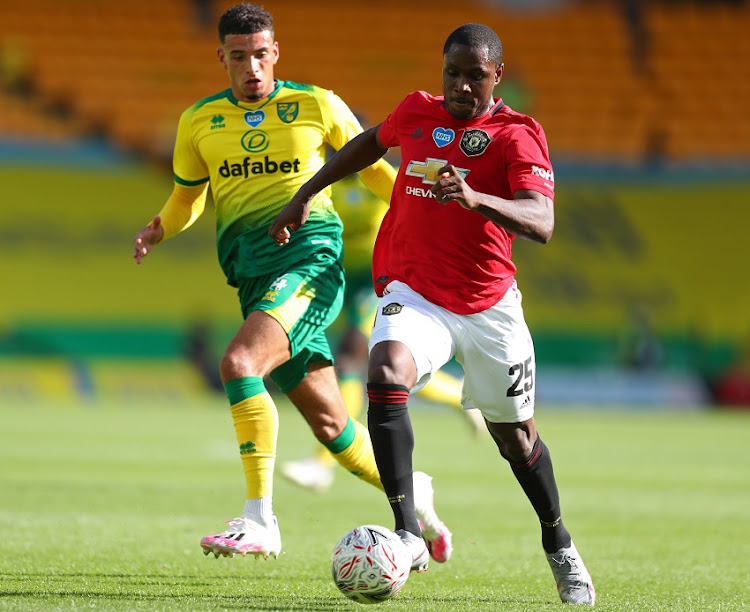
(370, 564)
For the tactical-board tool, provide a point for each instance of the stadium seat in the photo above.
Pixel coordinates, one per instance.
(574, 62)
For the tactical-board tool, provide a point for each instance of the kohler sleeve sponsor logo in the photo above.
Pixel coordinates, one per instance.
(547, 175)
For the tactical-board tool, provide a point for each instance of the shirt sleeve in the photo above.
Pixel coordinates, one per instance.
(188, 165)
(341, 123)
(527, 162)
(182, 208)
(388, 134)
(379, 178)
(342, 126)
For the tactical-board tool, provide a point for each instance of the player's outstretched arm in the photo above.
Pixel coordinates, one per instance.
(357, 154)
(184, 205)
(147, 239)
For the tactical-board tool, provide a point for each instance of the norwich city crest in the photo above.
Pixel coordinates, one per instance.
(287, 111)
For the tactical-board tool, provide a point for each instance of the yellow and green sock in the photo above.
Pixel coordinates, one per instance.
(353, 393)
(256, 421)
(352, 449)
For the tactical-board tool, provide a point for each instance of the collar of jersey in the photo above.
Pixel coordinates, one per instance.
(251, 106)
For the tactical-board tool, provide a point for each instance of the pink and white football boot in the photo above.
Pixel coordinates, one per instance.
(244, 537)
(438, 538)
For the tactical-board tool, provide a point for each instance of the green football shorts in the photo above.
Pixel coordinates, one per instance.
(305, 298)
(360, 301)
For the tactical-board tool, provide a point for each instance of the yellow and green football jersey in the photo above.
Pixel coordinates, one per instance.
(361, 211)
(255, 157)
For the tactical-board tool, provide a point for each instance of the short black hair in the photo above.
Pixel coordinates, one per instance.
(245, 18)
(477, 36)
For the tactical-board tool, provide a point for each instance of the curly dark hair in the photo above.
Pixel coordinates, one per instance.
(245, 18)
(477, 36)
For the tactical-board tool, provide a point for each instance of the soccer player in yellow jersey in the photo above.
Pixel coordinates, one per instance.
(255, 145)
(361, 211)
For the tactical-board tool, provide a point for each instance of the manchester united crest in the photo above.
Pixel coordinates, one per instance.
(474, 142)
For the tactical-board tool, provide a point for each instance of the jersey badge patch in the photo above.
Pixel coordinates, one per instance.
(254, 118)
(428, 170)
(287, 111)
(392, 309)
(474, 142)
(443, 136)
(217, 121)
(255, 141)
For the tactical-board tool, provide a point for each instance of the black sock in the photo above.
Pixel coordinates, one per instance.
(393, 444)
(537, 479)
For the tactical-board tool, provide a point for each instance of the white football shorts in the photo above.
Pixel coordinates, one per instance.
(493, 346)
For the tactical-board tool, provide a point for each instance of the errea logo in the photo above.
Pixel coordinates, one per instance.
(217, 121)
(247, 448)
(547, 175)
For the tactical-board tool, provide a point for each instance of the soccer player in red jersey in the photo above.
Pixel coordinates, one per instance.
(474, 175)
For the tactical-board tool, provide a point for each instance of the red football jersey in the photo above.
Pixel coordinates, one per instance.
(454, 257)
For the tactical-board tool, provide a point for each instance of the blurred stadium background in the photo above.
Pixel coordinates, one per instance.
(642, 297)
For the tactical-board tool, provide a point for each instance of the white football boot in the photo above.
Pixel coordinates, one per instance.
(420, 557)
(574, 583)
(244, 537)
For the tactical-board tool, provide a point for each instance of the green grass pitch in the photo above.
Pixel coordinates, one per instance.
(103, 503)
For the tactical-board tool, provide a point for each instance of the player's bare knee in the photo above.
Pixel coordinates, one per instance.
(326, 428)
(384, 374)
(514, 443)
(517, 451)
(391, 363)
(235, 364)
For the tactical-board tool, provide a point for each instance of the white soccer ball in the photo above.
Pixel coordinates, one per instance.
(370, 564)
